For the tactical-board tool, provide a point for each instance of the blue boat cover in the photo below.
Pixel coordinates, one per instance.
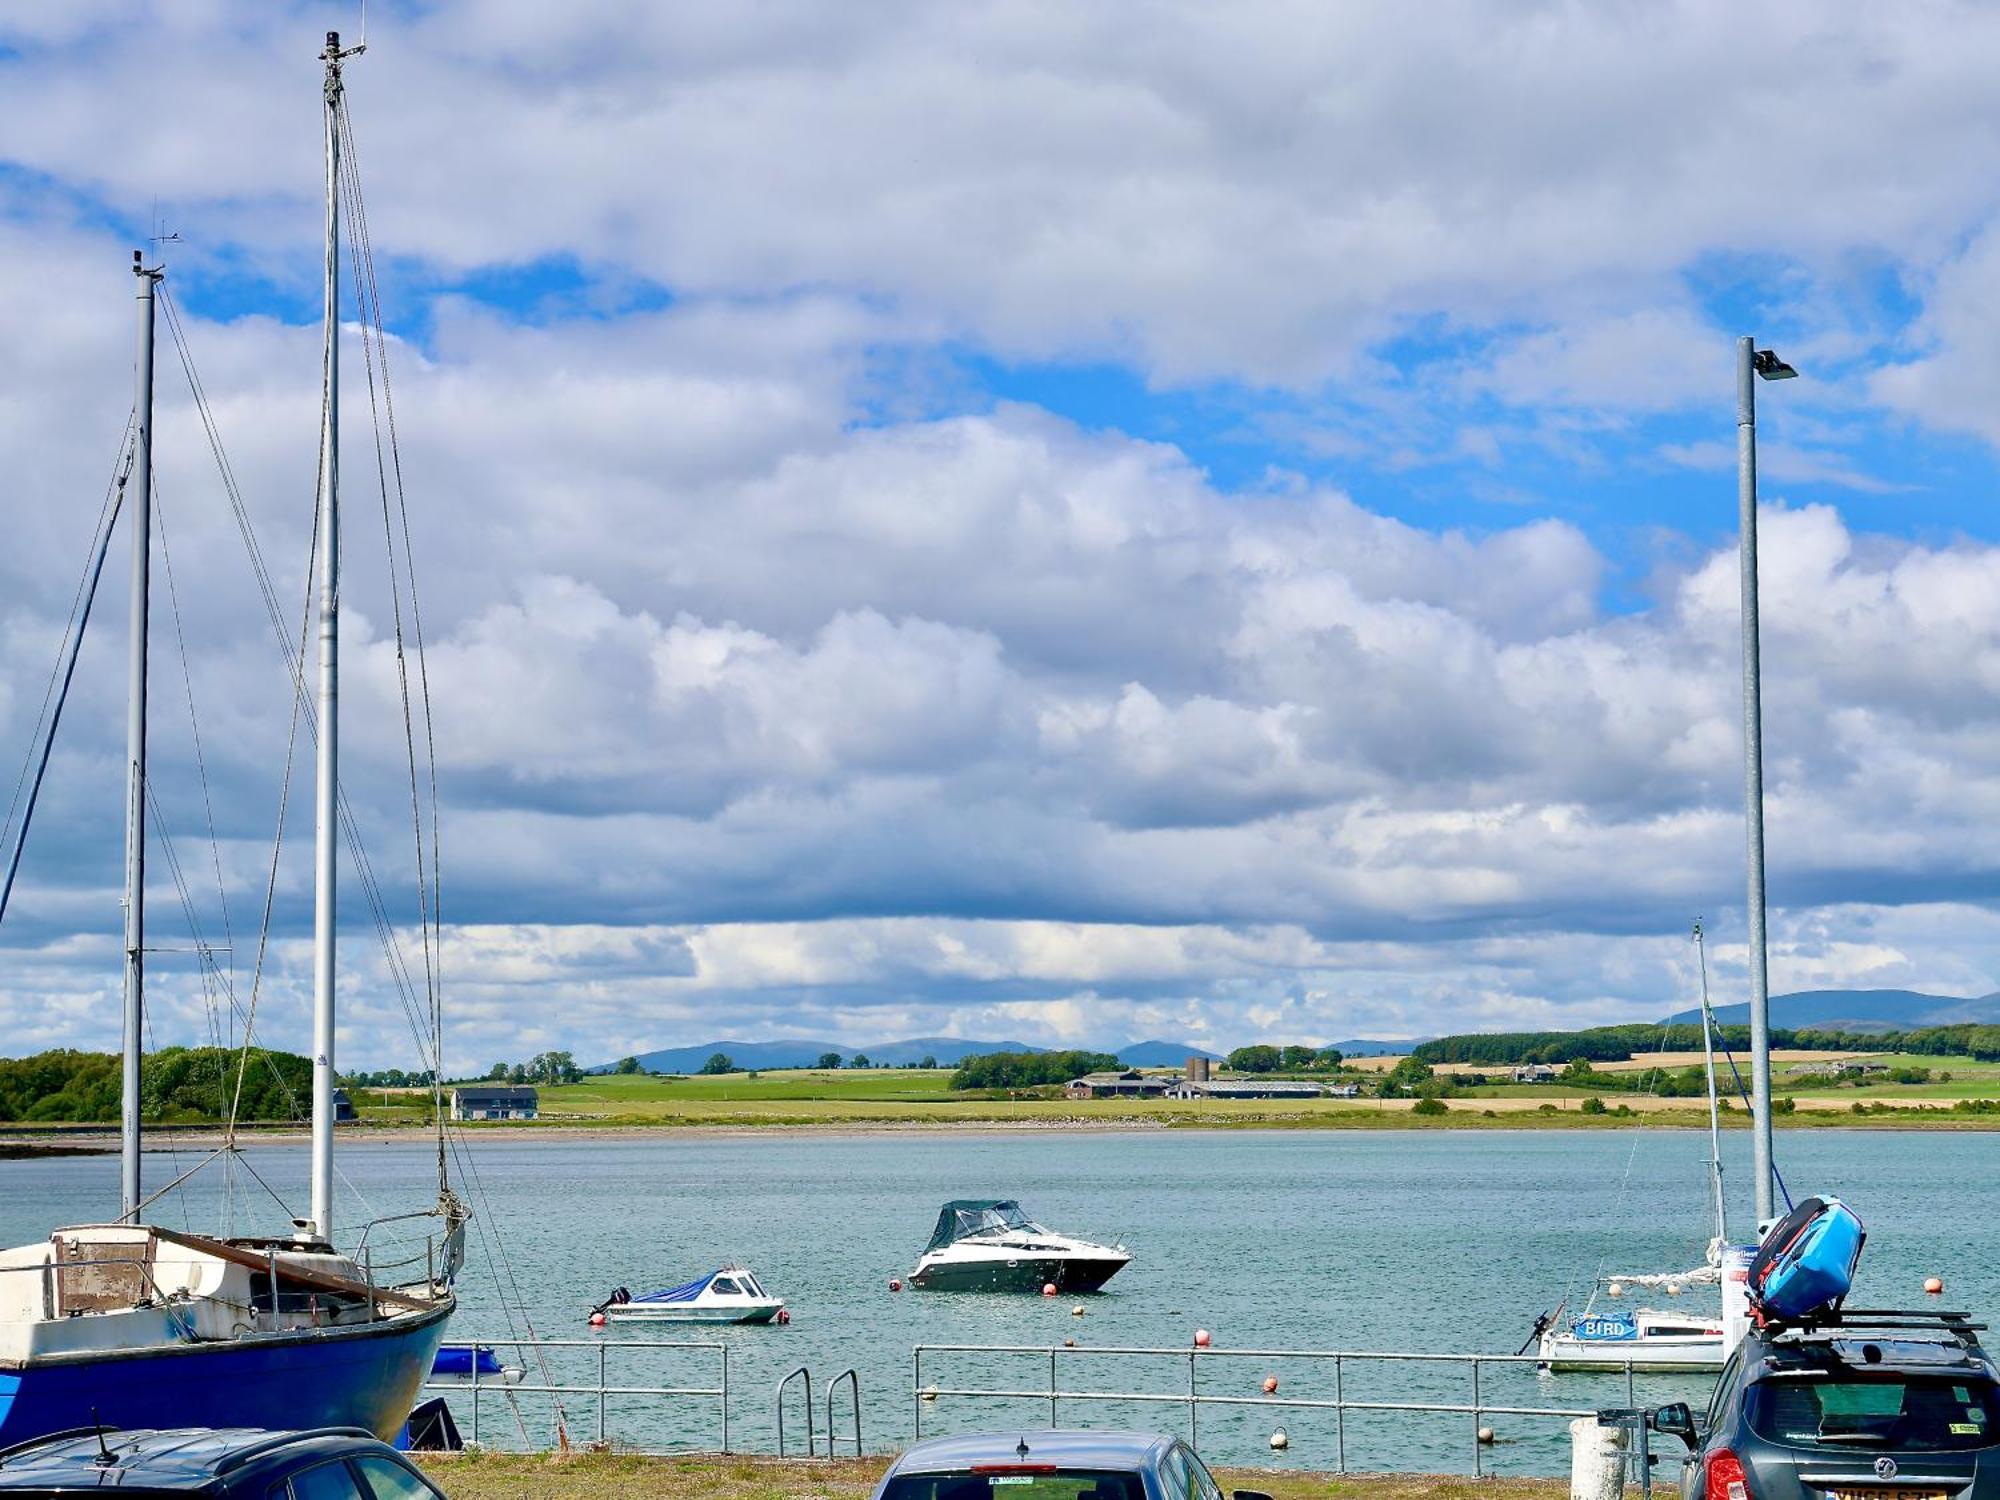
(463, 1359)
(686, 1292)
(1807, 1262)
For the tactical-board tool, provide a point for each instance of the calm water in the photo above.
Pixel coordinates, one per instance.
(1420, 1241)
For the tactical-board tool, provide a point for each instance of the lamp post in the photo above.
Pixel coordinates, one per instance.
(1763, 363)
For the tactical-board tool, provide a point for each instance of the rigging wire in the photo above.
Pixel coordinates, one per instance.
(57, 693)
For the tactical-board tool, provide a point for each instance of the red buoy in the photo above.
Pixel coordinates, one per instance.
(1934, 1286)
(1270, 1385)
(895, 1285)
(1201, 1338)
(597, 1320)
(1048, 1289)
(784, 1316)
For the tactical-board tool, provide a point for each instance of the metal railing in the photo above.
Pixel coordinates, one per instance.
(797, 1373)
(601, 1389)
(853, 1380)
(1193, 1398)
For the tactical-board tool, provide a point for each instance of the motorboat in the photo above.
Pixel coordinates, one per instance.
(990, 1245)
(731, 1294)
(473, 1364)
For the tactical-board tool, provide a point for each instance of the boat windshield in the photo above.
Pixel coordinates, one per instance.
(966, 1217)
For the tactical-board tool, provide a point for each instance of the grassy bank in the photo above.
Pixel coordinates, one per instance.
(498, 1476)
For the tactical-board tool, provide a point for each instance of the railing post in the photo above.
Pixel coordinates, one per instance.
(1052, 1385)
(724, 1349)
(1191, 1421)
(602, 1350)
(1339, 1418)
(1478, 1461)
(917, 1392)
(475, 1393)
(1631, 1398)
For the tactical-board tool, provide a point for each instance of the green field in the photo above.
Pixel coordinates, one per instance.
(896, 1097)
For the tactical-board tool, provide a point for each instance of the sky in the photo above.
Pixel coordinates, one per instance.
(1022, 520)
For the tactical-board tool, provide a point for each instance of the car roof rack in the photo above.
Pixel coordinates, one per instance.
(1864, 1320)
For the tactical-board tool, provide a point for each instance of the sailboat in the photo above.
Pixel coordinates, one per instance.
(131, 1324)
(1649, 1338)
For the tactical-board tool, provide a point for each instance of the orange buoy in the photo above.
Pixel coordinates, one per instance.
(597, 1320)
(1201, 1338)
(1048, 1289)
(1934, 1286)
(1270, 1385)
(895, 1285)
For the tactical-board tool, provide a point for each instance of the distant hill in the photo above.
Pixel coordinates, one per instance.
(950, 1051)
(1394, 1047)
(1860, 1010)
(794, 1052)
(1159, 1054)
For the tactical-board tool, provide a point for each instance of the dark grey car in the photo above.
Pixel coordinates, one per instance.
(1860, 1411)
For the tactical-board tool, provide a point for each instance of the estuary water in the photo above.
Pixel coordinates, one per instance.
(1418, 1241)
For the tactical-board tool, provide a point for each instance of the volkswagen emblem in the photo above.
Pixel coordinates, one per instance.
(1885, 1467)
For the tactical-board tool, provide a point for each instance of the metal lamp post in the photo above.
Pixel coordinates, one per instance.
(1750, 360)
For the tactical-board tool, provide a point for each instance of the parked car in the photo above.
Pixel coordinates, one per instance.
(331, 1463)
(1875, 1407)
(1053, 1465)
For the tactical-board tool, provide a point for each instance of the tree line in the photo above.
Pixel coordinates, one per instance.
(1622, 1043)
(176, 1085)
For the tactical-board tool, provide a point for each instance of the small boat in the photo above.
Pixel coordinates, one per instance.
(473, 1362)
(990, 1245)
(1806, 1263)
(1649, 1338)
(1645, 1338)
(729, 1295)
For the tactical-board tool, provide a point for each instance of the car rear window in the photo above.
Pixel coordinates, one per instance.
(1911, 1413)
(1025, 1483)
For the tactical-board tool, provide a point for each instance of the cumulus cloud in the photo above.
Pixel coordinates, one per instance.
(783, 684)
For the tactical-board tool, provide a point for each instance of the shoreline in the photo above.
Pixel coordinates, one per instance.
(30, 1143)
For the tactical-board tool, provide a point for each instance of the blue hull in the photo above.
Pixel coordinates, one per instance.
(355, 1377)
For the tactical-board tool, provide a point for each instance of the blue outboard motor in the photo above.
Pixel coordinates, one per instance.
(1806, 1263)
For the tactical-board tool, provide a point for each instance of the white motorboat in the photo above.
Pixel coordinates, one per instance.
(990, 1245)
(729, 1295)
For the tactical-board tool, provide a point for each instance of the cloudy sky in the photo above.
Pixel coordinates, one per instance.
(1017, 519)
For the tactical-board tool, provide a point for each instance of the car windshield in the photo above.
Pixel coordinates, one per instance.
(1910, 1413)
(1025, 1482)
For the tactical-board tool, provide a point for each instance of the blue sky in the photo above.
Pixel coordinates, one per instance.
(1003, 520)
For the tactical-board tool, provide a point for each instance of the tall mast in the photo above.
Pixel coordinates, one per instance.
(135, 753)
(326, 832)
(1714, 1110)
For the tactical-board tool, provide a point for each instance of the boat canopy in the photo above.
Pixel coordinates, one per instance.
(964, 1217)
(689, 1290)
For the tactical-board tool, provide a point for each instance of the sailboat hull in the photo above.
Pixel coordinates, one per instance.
(364, 1376)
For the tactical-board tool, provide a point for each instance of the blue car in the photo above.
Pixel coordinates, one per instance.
(1053, 1465)
(332, 1463)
